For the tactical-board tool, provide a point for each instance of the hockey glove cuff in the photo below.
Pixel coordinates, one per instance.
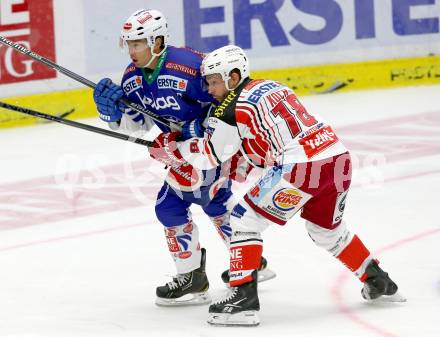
(165, 150)
(106, 96)
(193, 129)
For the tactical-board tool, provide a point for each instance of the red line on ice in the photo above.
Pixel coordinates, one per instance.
(336, 290)
(70, 237)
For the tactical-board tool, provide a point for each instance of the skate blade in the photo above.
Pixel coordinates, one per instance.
(265, 275)
(186, 300)
(396, 298)
(245, 318)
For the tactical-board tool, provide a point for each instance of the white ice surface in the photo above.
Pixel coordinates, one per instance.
(81, 252)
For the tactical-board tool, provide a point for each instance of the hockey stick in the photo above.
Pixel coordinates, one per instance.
(85, 81)
(75, 124)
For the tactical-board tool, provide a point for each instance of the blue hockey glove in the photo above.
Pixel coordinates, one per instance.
(106, 96)
(193, 129)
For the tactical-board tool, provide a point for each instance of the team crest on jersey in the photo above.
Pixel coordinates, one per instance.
(171, 82)
(286, 199)
(132, 84)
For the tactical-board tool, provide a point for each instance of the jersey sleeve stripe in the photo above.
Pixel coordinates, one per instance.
(210, 153)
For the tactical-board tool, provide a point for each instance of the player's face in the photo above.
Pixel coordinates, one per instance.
(216, 87)
(140, 52)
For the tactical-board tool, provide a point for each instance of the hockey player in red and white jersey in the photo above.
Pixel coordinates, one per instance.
(306, 167)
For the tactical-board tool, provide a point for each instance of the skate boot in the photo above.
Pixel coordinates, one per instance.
(264, 273)
(239, 308)
(378, 285)
(186, 289)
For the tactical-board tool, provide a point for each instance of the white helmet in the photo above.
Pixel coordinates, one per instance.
(225, 59)
(145, 24)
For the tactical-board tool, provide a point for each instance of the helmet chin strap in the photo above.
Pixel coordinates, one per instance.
(154, 55)
(227, 84)
(226, 78)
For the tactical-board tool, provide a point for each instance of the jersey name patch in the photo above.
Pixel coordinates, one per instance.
(132, 84)
(172, 82)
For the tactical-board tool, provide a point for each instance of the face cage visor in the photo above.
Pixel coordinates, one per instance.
(138, 45)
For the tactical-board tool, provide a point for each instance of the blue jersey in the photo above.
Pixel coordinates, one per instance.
(174, 90)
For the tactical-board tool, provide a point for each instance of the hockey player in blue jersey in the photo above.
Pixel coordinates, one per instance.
(166, 80)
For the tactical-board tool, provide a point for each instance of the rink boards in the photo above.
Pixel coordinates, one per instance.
(315, 46)
(309, 80)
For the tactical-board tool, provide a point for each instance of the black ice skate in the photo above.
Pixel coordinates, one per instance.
(264, 273)
(186, 289)
(239, 308)
(379, 286)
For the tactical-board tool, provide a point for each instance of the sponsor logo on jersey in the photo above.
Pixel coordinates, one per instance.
(220, 110)
(173, 246)
(236, 258)
(185, 255)
(185, 178)
(172, 82)
(318, 141)
(286, 199)
(311, 130)
(194, 146)
(340, 206)
(132, 84)
(129, 70)
(255, 96)
(198, 53)
(165, 102)
(255, 191)
(181, 68)
(188, 228)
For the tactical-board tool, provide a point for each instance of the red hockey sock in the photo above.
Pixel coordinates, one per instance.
(354, 254)
(244, 260)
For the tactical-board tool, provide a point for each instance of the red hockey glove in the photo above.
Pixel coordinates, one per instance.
(165, 150)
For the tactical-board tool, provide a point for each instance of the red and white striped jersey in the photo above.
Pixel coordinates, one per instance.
(265, 120)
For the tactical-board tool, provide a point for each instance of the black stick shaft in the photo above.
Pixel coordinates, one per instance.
(75, 124)
(85, 81)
